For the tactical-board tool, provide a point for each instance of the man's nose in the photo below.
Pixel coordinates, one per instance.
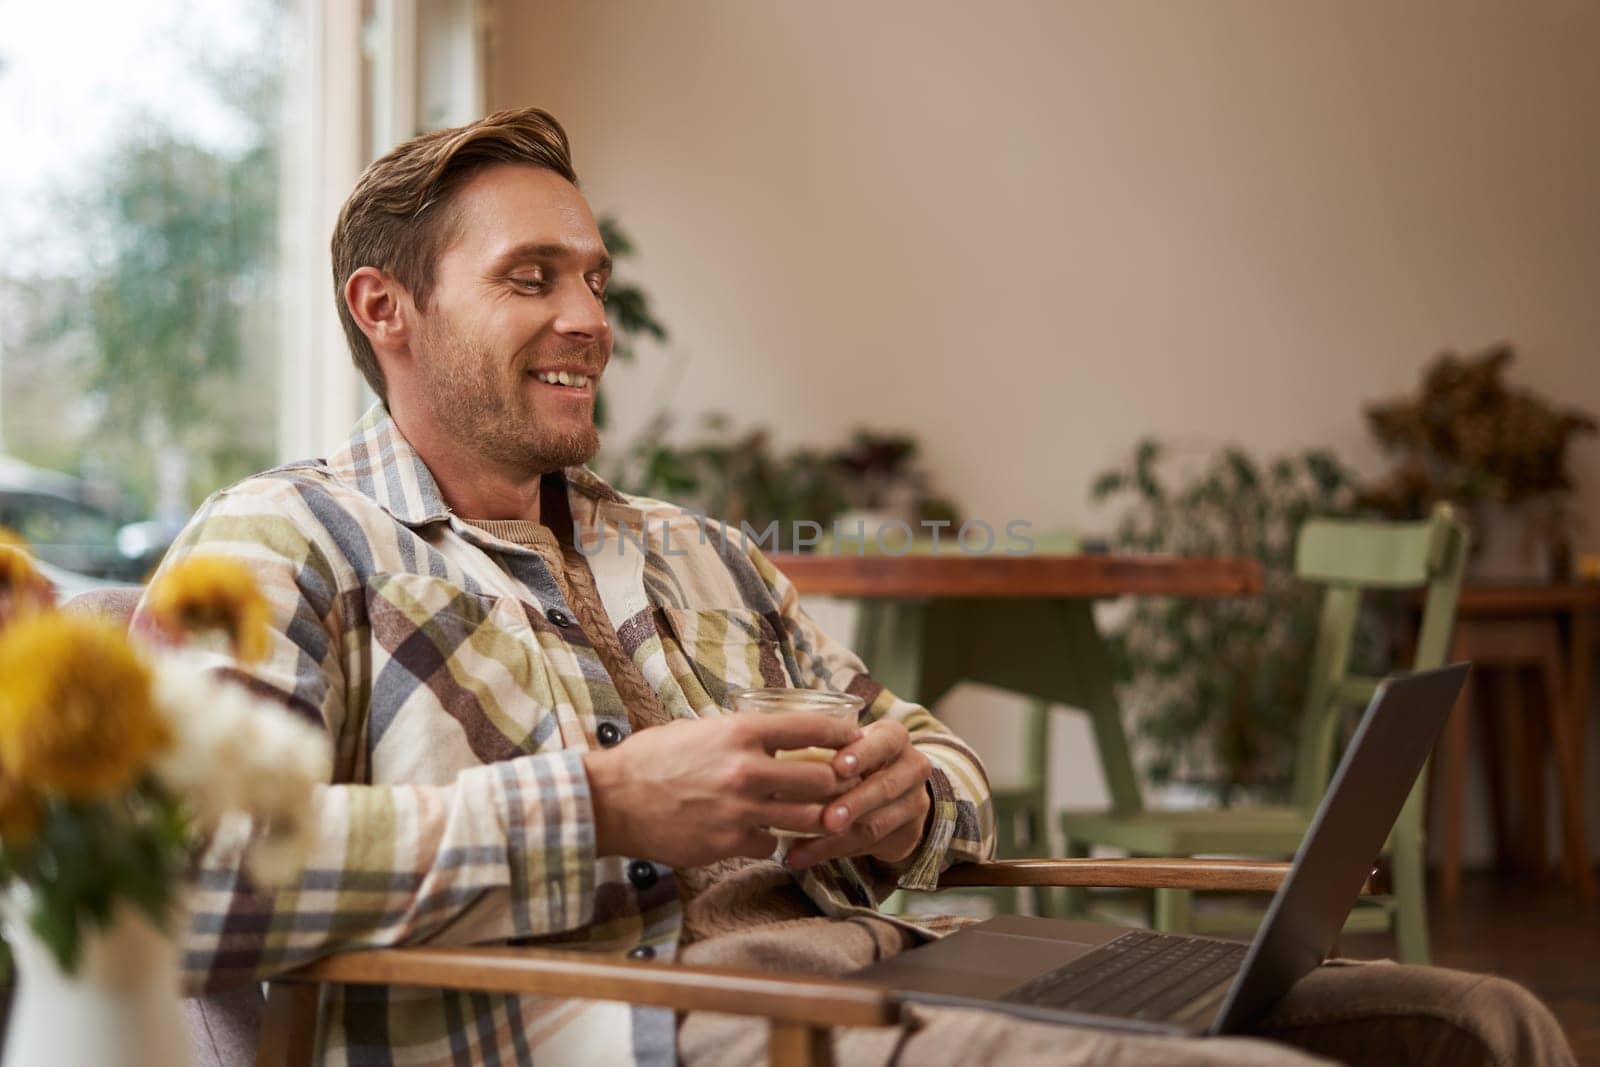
(582, 315)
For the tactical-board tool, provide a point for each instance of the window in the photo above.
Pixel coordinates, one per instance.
(171, 176)
(140, 311)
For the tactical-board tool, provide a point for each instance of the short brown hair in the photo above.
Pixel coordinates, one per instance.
(398, 219)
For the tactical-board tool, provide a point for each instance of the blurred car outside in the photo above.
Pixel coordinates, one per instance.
(79, 542)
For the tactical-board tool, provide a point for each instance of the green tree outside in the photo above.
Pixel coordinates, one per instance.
(154, 350)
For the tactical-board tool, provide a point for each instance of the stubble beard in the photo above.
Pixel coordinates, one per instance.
(468, 394)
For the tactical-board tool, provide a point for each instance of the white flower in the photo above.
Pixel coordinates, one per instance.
(234, 753)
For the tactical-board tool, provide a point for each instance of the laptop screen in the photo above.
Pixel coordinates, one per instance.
(1384, 757)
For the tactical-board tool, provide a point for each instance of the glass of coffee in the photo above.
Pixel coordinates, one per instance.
(777, 701)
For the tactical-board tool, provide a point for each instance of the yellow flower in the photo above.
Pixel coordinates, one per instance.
(21, 814)
(212, 593)
(76, 713)
(22, 587)
(16, 568)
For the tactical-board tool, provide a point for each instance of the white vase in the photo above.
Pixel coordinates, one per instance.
(1505, 544)
(118, 1009)
(862, 531)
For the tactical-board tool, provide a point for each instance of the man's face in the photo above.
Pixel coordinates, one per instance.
(517, 302)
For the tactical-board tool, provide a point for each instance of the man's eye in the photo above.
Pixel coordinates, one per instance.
(532, 285)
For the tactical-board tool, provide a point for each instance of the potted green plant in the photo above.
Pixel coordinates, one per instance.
(1216, 685)
(737, 477)
(878, 469)
(627, 307)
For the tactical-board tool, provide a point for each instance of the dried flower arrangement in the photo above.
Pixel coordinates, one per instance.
(1470, 438)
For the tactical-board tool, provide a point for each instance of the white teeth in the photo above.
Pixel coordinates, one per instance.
(550, 377)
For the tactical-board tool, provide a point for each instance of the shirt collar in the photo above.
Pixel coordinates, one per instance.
(381, 464)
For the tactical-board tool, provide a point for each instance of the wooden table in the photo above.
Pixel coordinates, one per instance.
(1021, 623)
(1546, 634)
(1074, 577)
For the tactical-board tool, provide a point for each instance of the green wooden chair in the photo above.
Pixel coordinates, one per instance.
(1348, 558)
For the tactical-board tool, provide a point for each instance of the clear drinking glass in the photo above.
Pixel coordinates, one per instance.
(777, 701)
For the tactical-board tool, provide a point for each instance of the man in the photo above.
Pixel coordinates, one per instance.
(524, 673)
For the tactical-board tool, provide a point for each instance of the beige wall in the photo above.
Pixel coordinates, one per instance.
(1035, 231)
(1032, 232)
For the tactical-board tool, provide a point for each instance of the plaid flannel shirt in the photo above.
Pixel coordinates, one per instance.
(460, 696)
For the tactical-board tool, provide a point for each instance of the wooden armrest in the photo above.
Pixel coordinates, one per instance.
(545, 972)
(799, 1008)
(839, 1002)
(1235, 875)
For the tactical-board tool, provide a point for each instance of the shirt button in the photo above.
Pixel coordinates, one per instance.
(643, 952)
(642, 874)
(559, 617)
(608, 733)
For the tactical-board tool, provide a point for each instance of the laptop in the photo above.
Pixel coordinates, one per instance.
(1101, 975)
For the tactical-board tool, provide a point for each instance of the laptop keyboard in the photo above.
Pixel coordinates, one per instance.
(1140, 975)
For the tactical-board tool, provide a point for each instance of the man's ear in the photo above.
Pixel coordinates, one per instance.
(383, 309)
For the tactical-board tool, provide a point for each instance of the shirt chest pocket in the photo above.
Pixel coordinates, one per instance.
(458, 679)
(711, 651)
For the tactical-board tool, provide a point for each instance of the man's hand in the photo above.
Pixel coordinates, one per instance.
(882, 817)
(699, 790)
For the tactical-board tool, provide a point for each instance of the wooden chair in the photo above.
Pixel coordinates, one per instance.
(1022, 812)
(1527, 716)
(1347, 558)
(801, 1010)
